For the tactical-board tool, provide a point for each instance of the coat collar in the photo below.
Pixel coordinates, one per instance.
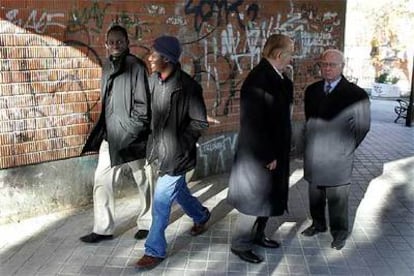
(172, 83)
(343, 82)
(275, 68)
(271, 72)
(117, 63)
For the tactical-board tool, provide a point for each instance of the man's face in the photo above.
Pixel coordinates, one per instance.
(157, 62)
(116, 43)
(331, 66)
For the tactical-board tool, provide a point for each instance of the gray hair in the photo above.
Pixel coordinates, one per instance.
(334, 51)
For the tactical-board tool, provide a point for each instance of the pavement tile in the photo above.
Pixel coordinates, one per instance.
(319, 270)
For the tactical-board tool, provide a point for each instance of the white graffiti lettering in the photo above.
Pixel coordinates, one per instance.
(176, 20)
(156, 10)
(38, 23)
(216, 154)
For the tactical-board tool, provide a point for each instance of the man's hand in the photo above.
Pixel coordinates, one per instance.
(272, 165)
(212, 120)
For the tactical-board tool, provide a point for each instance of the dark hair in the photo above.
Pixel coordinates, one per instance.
(118, 28)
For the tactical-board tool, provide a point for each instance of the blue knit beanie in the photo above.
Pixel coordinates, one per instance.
(169, 47)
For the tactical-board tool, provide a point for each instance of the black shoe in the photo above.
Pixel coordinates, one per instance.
(141, 234)
(199, 228)
(313, 230)
(94, 238)
(338, 244)
(266, 242)
(248, 256)
(339, 239)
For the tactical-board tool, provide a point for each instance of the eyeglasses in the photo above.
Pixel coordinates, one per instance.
(328, 64)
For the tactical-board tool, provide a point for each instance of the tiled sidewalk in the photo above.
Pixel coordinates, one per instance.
(381, 243)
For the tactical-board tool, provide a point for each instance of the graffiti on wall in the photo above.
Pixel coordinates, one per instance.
(232, 34)
(216, 155)
(222, 42)
(217, 10)
(35, 21)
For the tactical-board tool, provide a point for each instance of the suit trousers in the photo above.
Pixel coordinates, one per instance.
(103, 193)
(248, 228)
(337, 198)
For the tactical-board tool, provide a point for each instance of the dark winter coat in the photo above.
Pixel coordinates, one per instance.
(335, 126)
(125, 115)
(179, 115)
(264, 136)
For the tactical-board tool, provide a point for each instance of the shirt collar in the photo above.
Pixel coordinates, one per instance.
(333, 84)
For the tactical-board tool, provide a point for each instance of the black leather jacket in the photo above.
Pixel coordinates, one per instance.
(125, 115)
(178, 116)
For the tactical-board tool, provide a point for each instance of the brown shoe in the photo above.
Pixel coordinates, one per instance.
(148, 262)
(199, 228)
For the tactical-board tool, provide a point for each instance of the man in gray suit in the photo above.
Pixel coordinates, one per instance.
(337, 120)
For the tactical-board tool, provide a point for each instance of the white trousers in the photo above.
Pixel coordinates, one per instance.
(103, 192)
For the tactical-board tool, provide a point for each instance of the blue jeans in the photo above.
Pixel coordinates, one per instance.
(168, 189)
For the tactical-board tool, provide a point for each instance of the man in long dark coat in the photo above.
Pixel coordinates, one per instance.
(259, 180)
(337, 120)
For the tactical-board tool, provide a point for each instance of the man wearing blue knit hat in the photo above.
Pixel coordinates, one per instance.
(178, 116)
(169, 47)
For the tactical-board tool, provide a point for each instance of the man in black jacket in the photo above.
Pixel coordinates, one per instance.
(120, 134)
(178, 116)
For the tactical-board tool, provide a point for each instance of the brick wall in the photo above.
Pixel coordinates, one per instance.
(51, 54)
